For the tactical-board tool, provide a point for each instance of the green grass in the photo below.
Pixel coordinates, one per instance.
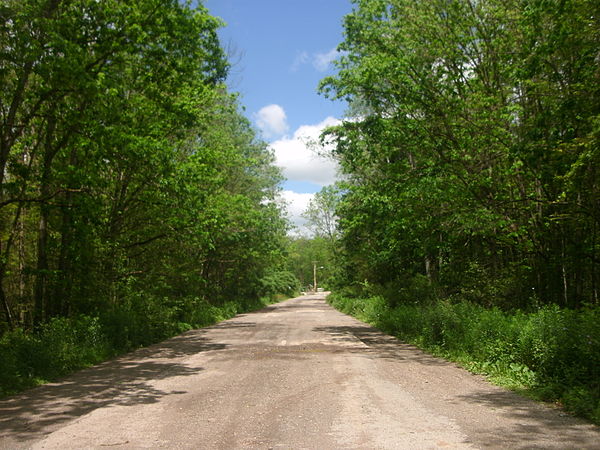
(552, 354)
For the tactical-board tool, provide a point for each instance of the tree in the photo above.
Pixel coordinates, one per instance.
(473, 116)
(304, 254)
(321, 213)
(128, 176)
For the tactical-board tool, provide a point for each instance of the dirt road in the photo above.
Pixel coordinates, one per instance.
(297, 375)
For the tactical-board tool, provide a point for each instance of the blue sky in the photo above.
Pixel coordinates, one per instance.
(280, 50)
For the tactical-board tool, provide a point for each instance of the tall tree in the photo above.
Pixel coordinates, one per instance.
(474, 117)
(125, 165)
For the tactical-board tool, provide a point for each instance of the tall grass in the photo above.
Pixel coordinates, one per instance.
(551, 354)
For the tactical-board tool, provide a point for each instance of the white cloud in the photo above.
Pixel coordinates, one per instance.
(272, 121)
(298, 156)
(296, 204)
(301, 59)
(321, 61)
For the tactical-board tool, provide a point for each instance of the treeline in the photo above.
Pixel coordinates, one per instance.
(473, 153)
(316, 256)
(469, 214)
(134, 195)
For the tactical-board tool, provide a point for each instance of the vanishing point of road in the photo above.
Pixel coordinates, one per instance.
(296, 375)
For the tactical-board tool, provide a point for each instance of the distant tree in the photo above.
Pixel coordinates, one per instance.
(305, 252)
(321, 213)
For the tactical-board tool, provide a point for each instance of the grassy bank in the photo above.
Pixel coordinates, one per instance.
(552, 354)
(64, 345)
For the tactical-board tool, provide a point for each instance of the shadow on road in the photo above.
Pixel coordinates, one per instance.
(381, 345)
(529, 419)
(231, 324)
(307, 304)
(124, 381)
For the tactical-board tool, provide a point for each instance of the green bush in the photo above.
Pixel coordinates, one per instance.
(17, 351)
(59, 347)
(280, 282)
(539, 343)
(70, 344)
(583, 401)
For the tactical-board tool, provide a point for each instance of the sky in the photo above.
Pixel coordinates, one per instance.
(279, 51)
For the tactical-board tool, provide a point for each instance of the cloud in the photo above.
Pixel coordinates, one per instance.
(272, 121)
(296, 204)
(321, 61)
(301, 59)
(298, 155)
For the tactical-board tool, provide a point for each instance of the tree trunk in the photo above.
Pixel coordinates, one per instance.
(22, 257)
(62, 291)
(5, 305)
(41, 281)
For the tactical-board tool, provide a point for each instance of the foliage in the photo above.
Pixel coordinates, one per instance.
(320, 250)
(129, 179)
(307, 253)
(136, 201)
(553, 353)
(321, 214)
(471, 151)
(281, 282)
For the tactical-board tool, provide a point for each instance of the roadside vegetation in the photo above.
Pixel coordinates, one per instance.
(468, 218)
(66, 344)
(136, 200)
(552, 354)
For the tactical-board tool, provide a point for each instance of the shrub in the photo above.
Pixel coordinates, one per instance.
(280, 282)
(70, 344)
(60, 346)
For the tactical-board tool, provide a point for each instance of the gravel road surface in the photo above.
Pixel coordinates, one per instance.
(296, 375)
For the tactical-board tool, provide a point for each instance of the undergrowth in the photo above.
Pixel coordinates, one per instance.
(552, 354)
(64, 345)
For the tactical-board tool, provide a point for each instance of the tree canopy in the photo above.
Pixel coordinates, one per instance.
(472, 154)
(127, 171)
